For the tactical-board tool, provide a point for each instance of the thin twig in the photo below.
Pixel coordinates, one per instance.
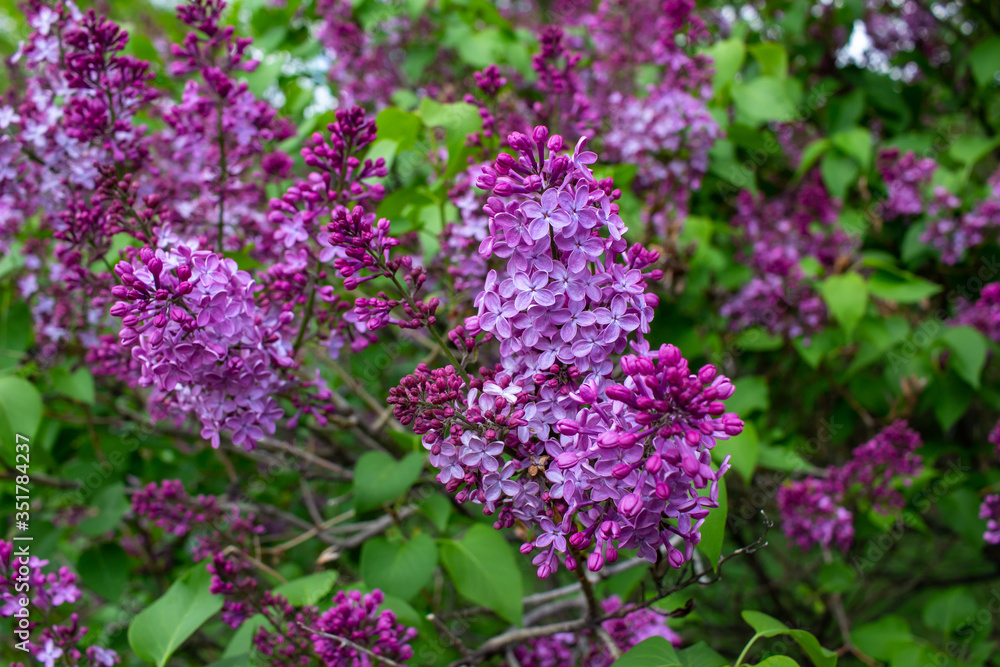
(344, 641)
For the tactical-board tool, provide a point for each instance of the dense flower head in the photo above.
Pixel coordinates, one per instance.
(191, 321)
(905, 175)
(990, 510)
(356, 617)
(52, 641)
(778, 234)
(667, 134)
(954, 232)
(595, 450)
(814, 510)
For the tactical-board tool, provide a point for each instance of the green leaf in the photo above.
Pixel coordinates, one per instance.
(880, 639)
(400, 126)
(399, 569)
(846, 296)
(812, 153)
(713, 531)
(968, 353)
(20, 411)
(948, 610)
(701, 655)
(984, 61)
(78, 385)
(751, 394)
(15, 330)
(310, 589)
(483, 569)
(857, 143)
(160, 629)
(742, 449)
(728, 56)
(782, 458)
(459, 120)
(836, 577)
(969, 149)
(768, 626)
(839, 172)
(778, 661)
(763, 99)
(900, 286)
(652, 652)
(762, 623)
(104, 570)
(378, 478)
(241, 660)
(437, 508)
(950, 397)
(772, 57)
(111, 505)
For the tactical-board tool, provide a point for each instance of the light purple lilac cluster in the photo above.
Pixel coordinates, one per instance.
(213, 153)
(950, 230)
(190, 319)
(549, 436)
(990, 510)
(357, 618)
(905, 177)
(777, 234)
(49, 641)
(815, 510)
(954, 232)
(559, 649)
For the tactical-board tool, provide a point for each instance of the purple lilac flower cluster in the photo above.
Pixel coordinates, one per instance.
(953, 232)
(905, 176)
(356, 617)
(983, 313)
(627, 631)
(990, 510)
(777, 235)
(190, 318)
(814, 510)
(549, 437)
(55, 642)
(213, 151)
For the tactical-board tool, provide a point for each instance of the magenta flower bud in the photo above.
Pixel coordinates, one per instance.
(130, 321)
(527, 548)
(570, 562)
(183, 272)
(540, 134)
(544, 571)
(707, 373)
(556, 143)
(579, 540)
(626, 439)
(690, 465)
(621, 471)
(595, 562)
(630, 505)
(119, 309)
(120, 291)
(662, 491)
(567, 427)
(654, 463)
(692, 437)
(611, 555)
(145, 255)
(619, 393)
(155, 266)
(566, 460)
(185, 288)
